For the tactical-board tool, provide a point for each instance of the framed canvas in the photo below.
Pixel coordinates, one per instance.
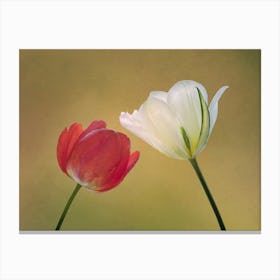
(162, 191)
(78, 61)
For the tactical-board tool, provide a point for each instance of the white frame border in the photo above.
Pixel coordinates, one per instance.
(153, 24)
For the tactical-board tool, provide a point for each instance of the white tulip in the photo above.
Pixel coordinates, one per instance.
(177, 123)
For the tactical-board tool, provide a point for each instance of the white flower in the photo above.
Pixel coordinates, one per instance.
(177, 123)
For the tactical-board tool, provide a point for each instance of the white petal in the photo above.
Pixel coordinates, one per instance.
(188, 85)
(213, 107)
(155, 124)
(139, 125)
(166, 126)
(161, 95)
(205, 126)
(183, 100)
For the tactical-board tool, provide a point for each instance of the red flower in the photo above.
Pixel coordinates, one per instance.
(97, 158)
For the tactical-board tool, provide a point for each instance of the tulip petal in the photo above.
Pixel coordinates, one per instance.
(155, 124)
(165, 125)
(95, 125)
(205, 125)
(213, 107)
(123, 167)
(114, 177)
(132, 160)
(94, 157)
(66, 142)
(189, 86)
(138, 124)
(161, 95)
(186, 106)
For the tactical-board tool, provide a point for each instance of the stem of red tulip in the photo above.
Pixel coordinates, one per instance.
(208, 193)
(67, 206)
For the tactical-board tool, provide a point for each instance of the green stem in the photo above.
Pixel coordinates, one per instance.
(208, 193)
(67, 206)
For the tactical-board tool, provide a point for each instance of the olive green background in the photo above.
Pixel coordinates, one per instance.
(59, 87)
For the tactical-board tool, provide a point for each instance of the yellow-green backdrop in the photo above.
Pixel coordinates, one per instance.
(59, 87)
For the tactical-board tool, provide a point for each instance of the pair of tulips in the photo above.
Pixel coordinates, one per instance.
(177, 123)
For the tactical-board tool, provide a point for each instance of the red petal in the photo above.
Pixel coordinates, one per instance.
(94, 157)
(66, 142)
(118, 173)
(124, 166)
(132, 160)
(93, 126)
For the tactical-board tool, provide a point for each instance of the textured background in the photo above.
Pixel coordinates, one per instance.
(59, 87)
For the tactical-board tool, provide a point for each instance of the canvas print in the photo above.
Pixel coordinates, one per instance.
(140, 140)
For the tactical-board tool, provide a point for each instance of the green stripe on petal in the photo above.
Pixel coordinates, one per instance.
(205, 124)
(186, 139)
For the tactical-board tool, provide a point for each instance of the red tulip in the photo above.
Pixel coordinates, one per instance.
(97, 158)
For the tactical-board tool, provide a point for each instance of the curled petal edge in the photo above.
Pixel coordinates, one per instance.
(213, 107)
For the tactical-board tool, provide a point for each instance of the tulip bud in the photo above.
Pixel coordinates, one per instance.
(177, 123)
(97, 158)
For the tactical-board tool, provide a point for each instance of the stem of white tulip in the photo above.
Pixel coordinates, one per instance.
(67, 206)
(208, 193)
